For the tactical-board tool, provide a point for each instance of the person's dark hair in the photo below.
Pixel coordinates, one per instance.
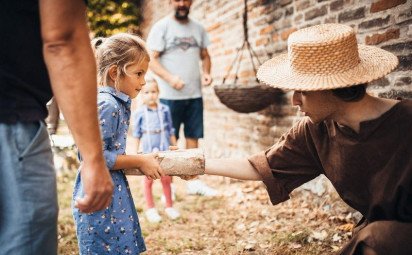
(350, 94)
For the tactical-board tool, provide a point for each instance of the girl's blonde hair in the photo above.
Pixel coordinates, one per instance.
(120, 50)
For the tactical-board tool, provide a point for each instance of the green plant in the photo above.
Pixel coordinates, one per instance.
(108, 17)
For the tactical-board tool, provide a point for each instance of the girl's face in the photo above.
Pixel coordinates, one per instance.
(317, 105)
(132, 82)
(150, 94)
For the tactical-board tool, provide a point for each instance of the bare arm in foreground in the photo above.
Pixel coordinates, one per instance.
(234, 168)
(72, 70)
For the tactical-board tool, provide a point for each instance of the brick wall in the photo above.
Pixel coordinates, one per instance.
(384, 23)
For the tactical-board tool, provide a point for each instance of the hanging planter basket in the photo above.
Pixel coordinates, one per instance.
(247, 98)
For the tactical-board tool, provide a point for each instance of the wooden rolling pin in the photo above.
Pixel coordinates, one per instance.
(178, 162)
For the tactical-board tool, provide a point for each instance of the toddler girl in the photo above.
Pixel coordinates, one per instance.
(122, 61)
(153, 127)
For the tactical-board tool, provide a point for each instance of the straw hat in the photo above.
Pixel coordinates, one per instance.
(326, 57)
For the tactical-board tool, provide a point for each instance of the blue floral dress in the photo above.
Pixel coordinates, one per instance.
(115, 230)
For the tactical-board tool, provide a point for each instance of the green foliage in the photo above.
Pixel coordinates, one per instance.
(108, 17)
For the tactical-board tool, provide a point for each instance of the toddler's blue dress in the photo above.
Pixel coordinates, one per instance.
(153, 128)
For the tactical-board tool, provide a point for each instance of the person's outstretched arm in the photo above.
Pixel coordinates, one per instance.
(72, 70)
(234, 168)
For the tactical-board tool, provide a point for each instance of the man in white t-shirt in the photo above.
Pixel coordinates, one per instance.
(178, 44)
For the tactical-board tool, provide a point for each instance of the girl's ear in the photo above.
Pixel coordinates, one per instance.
(113, 72)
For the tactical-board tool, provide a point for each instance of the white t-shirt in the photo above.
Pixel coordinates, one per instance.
(179, 46)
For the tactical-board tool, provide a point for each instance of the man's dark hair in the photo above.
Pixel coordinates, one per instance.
(350, 94)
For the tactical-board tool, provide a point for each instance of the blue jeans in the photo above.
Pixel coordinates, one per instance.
(28, 197)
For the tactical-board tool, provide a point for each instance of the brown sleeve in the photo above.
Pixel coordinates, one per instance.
(287, 164)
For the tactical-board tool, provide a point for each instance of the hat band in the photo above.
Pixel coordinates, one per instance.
(326, 58)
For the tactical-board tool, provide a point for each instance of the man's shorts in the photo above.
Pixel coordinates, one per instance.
(188, 112)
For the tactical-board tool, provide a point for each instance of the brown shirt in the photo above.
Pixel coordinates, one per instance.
(371, 170)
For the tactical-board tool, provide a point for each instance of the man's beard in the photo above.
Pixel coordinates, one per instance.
(182, 13)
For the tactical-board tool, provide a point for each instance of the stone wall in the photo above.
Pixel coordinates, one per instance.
(384, 23)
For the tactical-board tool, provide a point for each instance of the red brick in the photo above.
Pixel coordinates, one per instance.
(262, 41)
(298, 17)
(266, 30)
(216, 40)
(405, 46)
(352, 15)
(316, 13)
(405, 63)
(385, 4)
(289, 11)
(375, 27)
(247, 74)
(213, 27)
(378, 22)
(336, 5)
(285, 34)
(331, 19)
(403, 81)
(285, 2)
(301, 5)
(379, 38)
(228, 52)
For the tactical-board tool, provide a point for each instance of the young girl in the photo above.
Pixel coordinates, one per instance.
(153, 127)
(122, 62)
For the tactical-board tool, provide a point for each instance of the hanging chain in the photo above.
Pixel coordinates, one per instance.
(239, 53)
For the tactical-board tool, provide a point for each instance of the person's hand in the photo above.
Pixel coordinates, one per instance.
(206, 79)
(173, 147)
(150, 166)
(97, 186)
(177, 82)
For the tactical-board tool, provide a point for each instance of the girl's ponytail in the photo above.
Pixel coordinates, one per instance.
(96, 42)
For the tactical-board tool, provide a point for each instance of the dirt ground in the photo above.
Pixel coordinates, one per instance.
(240, 221)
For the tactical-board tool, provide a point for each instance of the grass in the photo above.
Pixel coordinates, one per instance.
(241, 222)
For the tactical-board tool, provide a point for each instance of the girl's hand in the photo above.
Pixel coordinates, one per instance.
(150, 166)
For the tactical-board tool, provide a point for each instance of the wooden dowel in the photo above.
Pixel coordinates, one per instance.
(178, 162)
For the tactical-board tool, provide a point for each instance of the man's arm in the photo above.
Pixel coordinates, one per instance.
(234, 168)
(72, 70)
(173, 80)
(206, 67)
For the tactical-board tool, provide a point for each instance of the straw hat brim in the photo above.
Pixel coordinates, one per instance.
(374, 63)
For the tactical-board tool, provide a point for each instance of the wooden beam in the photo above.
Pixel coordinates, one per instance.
(178, 162)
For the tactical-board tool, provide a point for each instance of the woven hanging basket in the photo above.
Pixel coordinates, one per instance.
(247, 98)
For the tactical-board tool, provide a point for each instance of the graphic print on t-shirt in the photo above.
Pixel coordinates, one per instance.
(184, 43)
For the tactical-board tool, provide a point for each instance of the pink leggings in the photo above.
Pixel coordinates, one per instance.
(166, 181)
